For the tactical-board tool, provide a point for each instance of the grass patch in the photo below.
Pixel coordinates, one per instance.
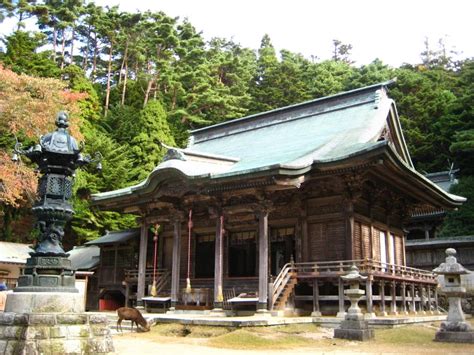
(297, 328)
(170, 330)
(198, 331)
(184, 330)
(245, 339)
(409, 335)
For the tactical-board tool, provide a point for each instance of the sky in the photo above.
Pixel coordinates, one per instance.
(393, 31)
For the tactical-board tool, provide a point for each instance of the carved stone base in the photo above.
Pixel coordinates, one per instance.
(354, 330)
(455, 337)
(44, 302)
(354, 334)
(47, 274)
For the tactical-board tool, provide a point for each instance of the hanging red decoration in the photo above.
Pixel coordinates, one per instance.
(155, 258)
(190, 227)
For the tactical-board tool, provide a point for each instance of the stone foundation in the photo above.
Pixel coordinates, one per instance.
(354, 330)
(455, 337)
(50, 333)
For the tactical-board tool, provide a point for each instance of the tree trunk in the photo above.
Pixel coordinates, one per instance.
(55, 39)
(124, 89)
(71, 61)
(94, 59)
(85, 60)
(109, 74)
(63, 48)
(122, 66)
(148, 90)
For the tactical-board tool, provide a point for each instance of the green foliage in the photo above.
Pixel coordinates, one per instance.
(116, 165)
(146, 148)
(424, 100)
(146, 78)
(461, 222)
(329, 77)
(22, 57)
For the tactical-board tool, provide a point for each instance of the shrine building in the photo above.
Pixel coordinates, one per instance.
(278, 205)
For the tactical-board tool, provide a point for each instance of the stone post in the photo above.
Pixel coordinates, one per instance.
(455, 329)
(413, 299)
(383, 313)
(393, 303)
(404, 298)
(316, 309)
(369, 298)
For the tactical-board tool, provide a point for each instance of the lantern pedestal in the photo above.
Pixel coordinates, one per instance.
(52, 323)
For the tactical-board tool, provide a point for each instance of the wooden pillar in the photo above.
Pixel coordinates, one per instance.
(262, 260)
(175, 264)
(404, 237)
(369, 299)
(316, 309)
(350, 230)
(161, 253)
(342, 311)
(413, 302)
(115, 262)
(404, 298)
(393, 304)
(218, 263)
(304, 233)
(382, 298)
(142, 262)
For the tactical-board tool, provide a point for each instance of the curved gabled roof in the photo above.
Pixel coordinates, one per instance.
(290, 140)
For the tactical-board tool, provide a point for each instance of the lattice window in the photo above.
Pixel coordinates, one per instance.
(280, 234)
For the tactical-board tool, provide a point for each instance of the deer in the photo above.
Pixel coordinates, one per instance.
(133, 315)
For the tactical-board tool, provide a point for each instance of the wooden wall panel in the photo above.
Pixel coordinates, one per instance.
(327, 241)
(376, 243)
(357, 241)
(398, 250)
(366, 245)
(317, 241)
(336, 240)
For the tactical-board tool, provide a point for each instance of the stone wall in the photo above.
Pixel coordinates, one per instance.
(65, 333)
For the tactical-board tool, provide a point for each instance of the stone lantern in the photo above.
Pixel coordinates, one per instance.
(354, 327)
(455, 329)
(57, 156)
(45, 313)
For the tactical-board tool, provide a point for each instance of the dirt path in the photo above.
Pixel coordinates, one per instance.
(138, 344)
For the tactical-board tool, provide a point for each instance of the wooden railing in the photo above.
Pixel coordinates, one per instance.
(280, 282)
(163, 277)
(366, 266)
(131, 275)
(329, 269)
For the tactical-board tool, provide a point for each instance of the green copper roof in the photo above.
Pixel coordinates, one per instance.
(292, 138)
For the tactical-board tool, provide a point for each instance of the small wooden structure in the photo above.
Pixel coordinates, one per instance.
(285, 202)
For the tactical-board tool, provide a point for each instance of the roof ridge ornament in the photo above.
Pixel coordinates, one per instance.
(173, 153)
